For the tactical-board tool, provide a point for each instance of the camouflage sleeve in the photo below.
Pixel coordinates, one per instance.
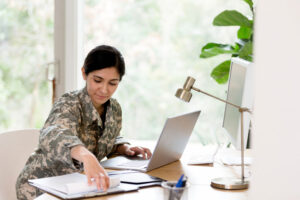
(119, 139)
(59, 133)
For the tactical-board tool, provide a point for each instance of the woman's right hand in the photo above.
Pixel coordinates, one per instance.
(92, 169)
(95, 172)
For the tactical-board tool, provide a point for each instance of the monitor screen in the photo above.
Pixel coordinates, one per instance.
(240, 92)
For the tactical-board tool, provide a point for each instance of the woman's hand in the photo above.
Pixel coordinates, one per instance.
(95, 172)
(134, 151)
(92, 169)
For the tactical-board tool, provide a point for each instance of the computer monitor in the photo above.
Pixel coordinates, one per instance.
(240, 92)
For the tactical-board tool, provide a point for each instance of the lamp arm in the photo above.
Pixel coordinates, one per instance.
(241, 110)
(244, 184)
(238, 107)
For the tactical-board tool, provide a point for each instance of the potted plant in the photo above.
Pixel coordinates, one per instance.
(242, 48)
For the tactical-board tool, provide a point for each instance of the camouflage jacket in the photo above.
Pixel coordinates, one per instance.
(73, 121)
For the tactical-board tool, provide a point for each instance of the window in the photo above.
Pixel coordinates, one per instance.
(161, 42)
(26, 45)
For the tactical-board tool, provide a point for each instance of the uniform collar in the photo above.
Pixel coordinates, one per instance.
(90, 113)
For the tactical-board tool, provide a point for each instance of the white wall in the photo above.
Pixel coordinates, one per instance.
(276, 171)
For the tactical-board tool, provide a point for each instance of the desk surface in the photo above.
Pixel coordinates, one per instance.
(199, 177)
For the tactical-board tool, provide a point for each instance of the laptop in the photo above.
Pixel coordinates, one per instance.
(169, 148)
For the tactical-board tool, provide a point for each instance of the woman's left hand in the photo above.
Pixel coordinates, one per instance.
(134, 151)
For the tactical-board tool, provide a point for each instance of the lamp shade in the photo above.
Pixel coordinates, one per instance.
(183, 95)
(185, 92)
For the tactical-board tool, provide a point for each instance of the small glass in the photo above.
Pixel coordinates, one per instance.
(171, 192)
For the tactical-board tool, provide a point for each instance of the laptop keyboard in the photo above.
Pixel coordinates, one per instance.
(135, 163)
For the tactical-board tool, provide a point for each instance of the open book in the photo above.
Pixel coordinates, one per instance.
(75, 186)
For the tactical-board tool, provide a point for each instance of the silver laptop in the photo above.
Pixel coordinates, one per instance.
(169, 148)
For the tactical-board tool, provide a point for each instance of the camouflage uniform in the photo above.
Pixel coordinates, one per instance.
(73, 121)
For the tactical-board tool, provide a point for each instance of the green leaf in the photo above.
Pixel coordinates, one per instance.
(246, 51)
(237, 47)
(250, 3)
(242, 42)
(232, 18)
(213, 49)
(221, 72)
(245, 33)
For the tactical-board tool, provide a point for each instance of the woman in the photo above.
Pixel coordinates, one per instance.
(83, 127)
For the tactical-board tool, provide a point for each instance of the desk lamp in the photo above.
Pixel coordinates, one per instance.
(222, 183)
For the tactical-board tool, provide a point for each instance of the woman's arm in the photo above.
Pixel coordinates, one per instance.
(60, 133)
(122, 146)
(60, 142)
(93, 170)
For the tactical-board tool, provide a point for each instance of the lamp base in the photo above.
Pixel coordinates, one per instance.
(229, 183)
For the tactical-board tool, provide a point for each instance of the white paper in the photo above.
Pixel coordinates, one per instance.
(79, 187)
(71, 183)
(236, 160)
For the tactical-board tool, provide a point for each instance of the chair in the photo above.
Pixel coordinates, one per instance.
(15, 148)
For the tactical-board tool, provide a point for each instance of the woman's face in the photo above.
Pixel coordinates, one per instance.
(101, 84)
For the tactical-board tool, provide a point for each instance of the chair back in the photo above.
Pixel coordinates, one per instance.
(15, 148)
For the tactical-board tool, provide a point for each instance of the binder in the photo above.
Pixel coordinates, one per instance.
(74, 186)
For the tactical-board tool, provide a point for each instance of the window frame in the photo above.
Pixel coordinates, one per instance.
(68, 44)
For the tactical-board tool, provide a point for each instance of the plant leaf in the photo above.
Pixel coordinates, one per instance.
(213, 49)
(232, 18)
(244, 33)
(246, 51)
(221, 72)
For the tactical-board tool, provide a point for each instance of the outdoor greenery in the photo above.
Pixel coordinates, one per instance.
(26, 43)
(242, 48)
(159, 40)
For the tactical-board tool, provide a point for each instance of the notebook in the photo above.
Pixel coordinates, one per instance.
(169, 148)
(74, 186)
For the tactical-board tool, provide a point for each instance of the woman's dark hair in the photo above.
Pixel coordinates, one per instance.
(104, 56)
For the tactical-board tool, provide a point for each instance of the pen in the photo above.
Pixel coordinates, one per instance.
(184, 179)
(176, 194)
(181, 181)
